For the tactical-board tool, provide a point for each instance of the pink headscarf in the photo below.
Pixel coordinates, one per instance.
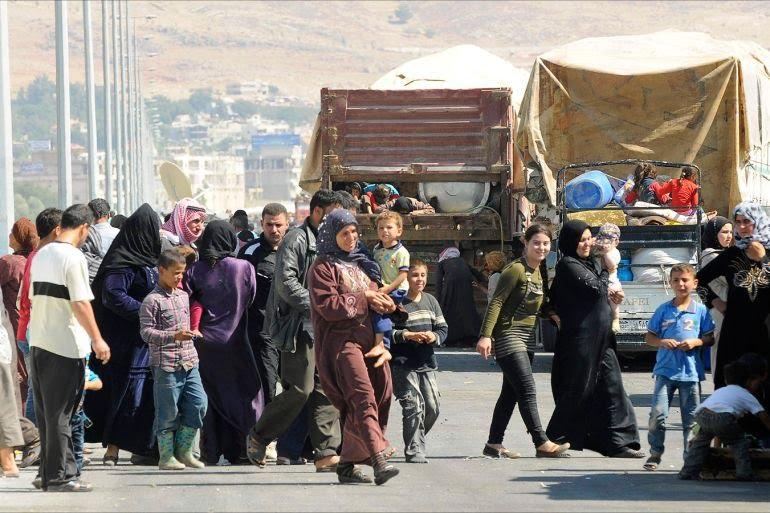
(185, 211)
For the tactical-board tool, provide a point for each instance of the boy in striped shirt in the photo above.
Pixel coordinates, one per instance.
(414, 363)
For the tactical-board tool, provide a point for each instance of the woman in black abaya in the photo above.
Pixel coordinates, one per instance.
(592, 408)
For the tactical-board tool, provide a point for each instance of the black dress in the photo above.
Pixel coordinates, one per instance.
(744, 329)
(454, 291)
(592, 408)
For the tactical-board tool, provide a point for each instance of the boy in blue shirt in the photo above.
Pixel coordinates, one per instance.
(678, 328)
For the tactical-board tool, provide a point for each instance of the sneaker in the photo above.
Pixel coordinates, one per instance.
(72, 486)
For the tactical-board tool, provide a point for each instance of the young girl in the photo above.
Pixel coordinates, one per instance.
(510, 321)
(683, 191)
(644, 187)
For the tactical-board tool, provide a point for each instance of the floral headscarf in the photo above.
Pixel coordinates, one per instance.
(328, 248)
(756, 214)
(185, 211)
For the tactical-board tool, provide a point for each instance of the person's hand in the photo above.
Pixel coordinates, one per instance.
(381, 353)
(556, 320)
(608, 264)
(428, 337)
(617, 296)
(484, 347)
(689, 344)
(379, 302)
(720, 305)
(101, 350)
(669, 343)
(183, 335)
(412, 336)
(196, 334)
(755, 251)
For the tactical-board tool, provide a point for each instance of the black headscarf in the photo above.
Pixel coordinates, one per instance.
(217, 242)
(711, 232)
(328, 248)
(569, 237)
(136, 245)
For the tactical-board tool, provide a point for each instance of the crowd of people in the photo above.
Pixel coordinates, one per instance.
(167, 339)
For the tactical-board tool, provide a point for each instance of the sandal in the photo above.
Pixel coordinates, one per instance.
(559, 452)
(652, 462)
(627, 452)
(109, 461)
(501, 453)
(389, 452)
(347, 473)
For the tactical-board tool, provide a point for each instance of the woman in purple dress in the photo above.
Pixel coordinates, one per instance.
(123, 412)
(225, 287)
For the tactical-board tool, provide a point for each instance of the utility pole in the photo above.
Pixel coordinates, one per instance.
(107, 108)
(6, 135)
(138, 126)
(119, 172)
(127, 144)
(63, 145)
(93, 156)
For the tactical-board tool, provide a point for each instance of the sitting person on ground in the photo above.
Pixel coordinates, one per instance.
(678, 328)
(719, 416)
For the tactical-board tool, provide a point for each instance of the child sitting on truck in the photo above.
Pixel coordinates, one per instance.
(606, 247)
(683, 191)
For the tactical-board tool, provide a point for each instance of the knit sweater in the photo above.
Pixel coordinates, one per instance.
(424, 315)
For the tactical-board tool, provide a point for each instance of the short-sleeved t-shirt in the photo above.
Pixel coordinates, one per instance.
(670, 322)
(392, 261)
(59, 276)
(732, 399)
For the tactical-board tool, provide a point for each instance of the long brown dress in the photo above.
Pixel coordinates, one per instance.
(343, 334)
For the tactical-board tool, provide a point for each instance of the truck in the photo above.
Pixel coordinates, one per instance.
(671, 97)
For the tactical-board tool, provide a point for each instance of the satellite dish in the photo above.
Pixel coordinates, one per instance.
(174, 181)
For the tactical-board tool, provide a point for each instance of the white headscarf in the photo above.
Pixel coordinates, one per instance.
(757, 215)
(450, 252)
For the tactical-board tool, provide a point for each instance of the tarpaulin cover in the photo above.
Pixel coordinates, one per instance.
(459, 67)
(671, 95)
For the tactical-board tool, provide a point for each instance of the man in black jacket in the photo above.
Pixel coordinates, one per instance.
(288, 305)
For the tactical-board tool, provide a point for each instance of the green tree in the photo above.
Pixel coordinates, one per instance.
(244, 109)
(403, 13)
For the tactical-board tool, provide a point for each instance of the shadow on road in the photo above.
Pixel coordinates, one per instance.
(644, 487)
(468, 360)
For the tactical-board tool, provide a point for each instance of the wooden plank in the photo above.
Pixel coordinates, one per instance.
(451, 114)
(393, 176)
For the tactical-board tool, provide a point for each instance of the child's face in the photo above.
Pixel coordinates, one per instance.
(417, 278)
(605, 244)
(388, 232)
(170, 277)
(683, 283)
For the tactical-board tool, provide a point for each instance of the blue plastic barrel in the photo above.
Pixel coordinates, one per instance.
(624, 270)
(592, 189)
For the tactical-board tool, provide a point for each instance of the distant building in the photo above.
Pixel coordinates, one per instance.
(219, 179)
(273, 167)
(42, 170)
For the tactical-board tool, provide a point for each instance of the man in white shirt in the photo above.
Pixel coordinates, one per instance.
(101, 210)
(62, 333)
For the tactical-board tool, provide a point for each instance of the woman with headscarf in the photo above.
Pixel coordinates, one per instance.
(717, 236)
(454, 291)
(225, 287)
(353, 370)
(592, 409)
(745, 267)
(123, 412)
(23, 241)
(185, 224)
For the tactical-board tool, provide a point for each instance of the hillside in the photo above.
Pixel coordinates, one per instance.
(301, 46)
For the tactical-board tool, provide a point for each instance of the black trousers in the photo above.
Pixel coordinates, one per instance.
(268, 358)
(518, 387)
(58, 384)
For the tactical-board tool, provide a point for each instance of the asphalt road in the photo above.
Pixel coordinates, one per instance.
(457, 478)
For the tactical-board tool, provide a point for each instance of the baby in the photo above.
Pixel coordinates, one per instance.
(606, 247)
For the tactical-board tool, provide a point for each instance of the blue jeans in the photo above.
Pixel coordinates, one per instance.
(689, 398)
(179, 399)
(78, 427)
(29, 408)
